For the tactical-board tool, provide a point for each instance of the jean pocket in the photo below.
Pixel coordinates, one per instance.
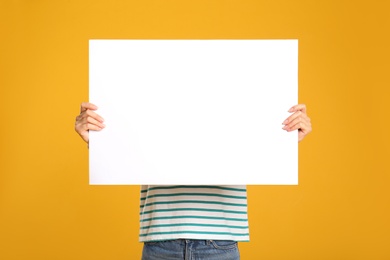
(224, 244)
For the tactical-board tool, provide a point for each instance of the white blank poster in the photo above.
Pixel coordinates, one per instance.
(193, 111)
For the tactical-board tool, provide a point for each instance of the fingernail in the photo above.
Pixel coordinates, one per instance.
(285, 122)
(291, 109)
(284, 128)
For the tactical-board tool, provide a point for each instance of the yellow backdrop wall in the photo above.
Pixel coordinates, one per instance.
(339, 210)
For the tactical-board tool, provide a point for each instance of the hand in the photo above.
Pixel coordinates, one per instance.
(298, 120)
(88, 120)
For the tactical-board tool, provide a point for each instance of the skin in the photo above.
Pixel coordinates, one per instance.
(88, 120)
(298, 121)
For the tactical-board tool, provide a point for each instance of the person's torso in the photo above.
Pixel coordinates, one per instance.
(193, 212)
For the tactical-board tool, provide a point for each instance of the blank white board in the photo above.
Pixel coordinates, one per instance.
(193, 111)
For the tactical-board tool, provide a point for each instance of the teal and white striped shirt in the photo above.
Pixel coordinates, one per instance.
(193, 212)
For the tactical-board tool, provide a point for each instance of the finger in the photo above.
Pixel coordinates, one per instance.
(299, 107)
(293, 117)
(299, 125)
(302, 125)
(86, 105)
(93, 127)
(300, 119)
(93, 121)
(83, 126)
(90, 113)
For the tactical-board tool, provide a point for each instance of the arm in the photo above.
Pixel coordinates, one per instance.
(298, 121)
(88, 120)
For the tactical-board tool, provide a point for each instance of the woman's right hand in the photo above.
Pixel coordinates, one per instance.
(88, 120)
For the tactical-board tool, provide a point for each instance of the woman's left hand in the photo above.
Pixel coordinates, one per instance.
(298, 121)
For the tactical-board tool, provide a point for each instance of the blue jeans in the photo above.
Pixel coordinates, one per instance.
(187, 249)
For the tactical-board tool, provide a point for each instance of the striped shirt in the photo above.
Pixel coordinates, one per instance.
(193, 212)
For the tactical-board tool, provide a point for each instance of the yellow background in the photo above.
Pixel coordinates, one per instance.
(340, 210)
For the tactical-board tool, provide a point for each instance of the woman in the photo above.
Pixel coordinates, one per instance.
(192, 222)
